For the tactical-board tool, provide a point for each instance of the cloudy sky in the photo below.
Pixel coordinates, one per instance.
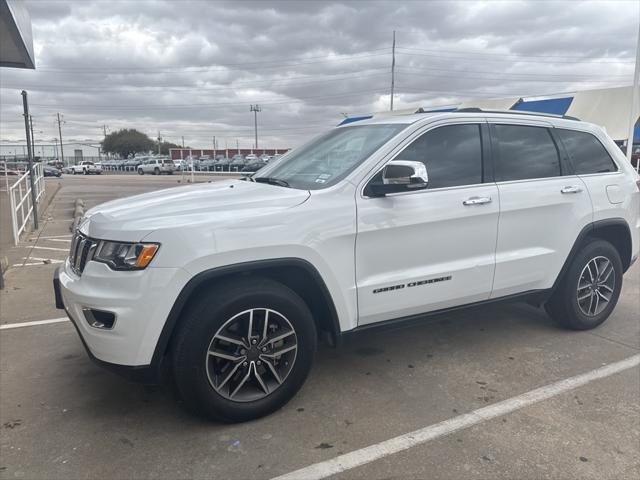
(192, 68)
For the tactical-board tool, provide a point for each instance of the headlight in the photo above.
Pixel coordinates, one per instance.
(126, 256)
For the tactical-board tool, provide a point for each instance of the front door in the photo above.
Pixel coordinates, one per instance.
(430, 249)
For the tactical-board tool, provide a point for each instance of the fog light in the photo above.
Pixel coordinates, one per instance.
(99, 318)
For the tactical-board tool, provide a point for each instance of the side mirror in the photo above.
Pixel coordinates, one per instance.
(399, 176)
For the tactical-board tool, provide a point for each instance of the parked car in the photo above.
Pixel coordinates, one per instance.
(635, 157)
(265, 158)
(48, 171)
(223, 164)
(157, 166)
(254, 166)
(231, 284)
(87, 168)
(7, 171)
(252, 157)
(238, 162)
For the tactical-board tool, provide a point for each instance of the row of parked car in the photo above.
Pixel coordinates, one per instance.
(163, 164)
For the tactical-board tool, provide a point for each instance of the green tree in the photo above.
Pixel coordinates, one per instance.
(126, 142)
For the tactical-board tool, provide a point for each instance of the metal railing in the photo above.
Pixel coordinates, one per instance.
(20, 199)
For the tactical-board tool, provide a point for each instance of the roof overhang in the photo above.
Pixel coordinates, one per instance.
(16, 39)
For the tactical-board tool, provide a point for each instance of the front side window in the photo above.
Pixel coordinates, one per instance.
(452, 155)
(525, 152)
(330, 158)
(587, 154)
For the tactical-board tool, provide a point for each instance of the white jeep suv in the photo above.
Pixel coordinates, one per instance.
(229, 285)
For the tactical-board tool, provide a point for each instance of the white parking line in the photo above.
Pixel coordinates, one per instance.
(9, 326)
(369, 454)
(54, 236)
(66, 240)
(47, 248)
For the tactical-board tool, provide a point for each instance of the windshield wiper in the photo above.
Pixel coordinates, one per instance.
(271, 181)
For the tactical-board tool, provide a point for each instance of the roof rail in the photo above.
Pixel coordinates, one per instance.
(515, 112)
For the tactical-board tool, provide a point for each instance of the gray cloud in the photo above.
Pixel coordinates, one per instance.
(193, 68)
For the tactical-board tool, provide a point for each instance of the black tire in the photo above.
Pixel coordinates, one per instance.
(208, 314)
(563, 306)
(140, 171)
(156, 171)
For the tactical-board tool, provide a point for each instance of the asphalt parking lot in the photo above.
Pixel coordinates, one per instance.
(61, 417)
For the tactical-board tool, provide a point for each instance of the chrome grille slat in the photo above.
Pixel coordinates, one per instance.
(82, 250)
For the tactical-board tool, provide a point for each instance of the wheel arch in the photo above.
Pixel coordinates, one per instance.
(614, 230)
(298, 274)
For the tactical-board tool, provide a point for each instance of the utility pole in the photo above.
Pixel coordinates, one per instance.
(237, 146)
(255, 109)
(393, 67)
(182, 141)
(214, 146)
(159, 140)
(635, 102)
(104, 131)
(32, 183)
(60, 133)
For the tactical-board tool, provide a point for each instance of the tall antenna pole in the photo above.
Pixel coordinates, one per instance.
(393, 67)
(60, 133)
(635, 101)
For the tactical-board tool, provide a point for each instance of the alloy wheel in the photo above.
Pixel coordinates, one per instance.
(595, 286)
(251, 355)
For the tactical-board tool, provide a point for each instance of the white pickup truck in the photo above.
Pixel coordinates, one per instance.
(86, 168)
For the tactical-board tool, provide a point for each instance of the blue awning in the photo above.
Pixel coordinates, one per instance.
(554, 106)
(355, 119)
(636, 133)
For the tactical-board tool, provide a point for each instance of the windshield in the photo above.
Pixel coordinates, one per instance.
(331, 157)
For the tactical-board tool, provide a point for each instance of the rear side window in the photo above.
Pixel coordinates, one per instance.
(525, 152)
(452, 154)
(587, 154)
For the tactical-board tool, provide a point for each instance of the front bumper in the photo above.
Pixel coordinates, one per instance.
(141, 302)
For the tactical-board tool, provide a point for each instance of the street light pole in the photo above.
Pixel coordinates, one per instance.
(255, 109)
(60, 133)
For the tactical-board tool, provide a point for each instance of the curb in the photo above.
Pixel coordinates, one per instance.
(78, 212)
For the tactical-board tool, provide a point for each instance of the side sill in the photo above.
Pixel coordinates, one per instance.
(533, 297)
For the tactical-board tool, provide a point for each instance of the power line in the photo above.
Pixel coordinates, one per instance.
(208, 105)
(517, 55)
(476, 58)
(134, 69)
(235, 86)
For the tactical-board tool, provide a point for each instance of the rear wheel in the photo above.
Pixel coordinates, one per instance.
(244, 351)
(140, 171)
(590, 288)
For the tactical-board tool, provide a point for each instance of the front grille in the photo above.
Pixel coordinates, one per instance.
(82, 250)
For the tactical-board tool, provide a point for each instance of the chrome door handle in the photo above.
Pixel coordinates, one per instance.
(477, 201)
(570, 189)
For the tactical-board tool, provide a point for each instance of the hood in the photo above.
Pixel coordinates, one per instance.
(132, 218)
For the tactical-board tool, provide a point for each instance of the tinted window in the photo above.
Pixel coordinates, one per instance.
(587, 154)
(525, 152)
(452, 154)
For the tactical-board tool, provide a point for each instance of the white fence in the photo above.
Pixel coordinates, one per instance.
(20, 198)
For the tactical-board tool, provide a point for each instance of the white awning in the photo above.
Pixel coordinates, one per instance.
(609, 107)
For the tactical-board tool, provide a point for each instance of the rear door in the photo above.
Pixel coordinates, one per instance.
(543, 207)
(593, 164)
(430, 249)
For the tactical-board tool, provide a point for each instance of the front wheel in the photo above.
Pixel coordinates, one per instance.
(156, 171)
(590, 288)
(140, 171)
(244, 351)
